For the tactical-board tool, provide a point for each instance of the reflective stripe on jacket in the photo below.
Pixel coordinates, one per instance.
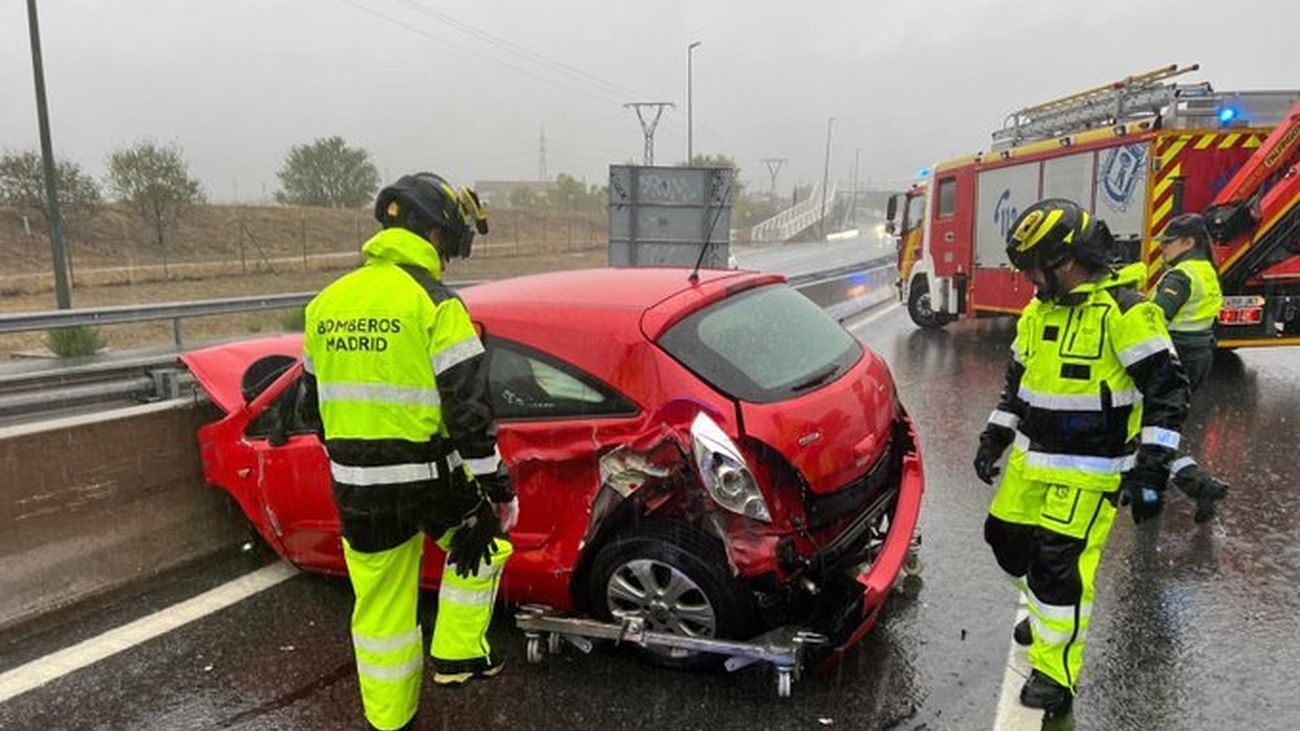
(393, 359)
(1093, 382)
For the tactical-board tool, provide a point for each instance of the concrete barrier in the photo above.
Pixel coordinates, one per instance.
(92, 503)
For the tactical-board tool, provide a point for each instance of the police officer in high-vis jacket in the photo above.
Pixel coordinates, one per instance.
(397, 369)
(1189, 293)
(1094, 400)
(1190, 297)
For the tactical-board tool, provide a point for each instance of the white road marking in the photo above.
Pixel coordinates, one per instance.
(58, 664)
(890, 309)
(1011, 715)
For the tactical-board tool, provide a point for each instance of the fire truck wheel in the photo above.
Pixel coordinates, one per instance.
(918, 307)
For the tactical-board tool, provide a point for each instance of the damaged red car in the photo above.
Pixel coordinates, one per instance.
(718, 453)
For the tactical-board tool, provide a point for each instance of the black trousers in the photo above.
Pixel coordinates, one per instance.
(1197, 361)
(381, 517)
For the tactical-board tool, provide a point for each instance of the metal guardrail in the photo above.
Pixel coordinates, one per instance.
(799, 281)
(174, 311)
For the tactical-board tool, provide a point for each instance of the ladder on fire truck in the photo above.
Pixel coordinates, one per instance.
(1131, 99)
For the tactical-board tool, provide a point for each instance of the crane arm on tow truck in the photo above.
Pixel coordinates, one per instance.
(1255, 217)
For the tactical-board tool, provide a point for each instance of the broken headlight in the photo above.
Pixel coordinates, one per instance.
(722, 468)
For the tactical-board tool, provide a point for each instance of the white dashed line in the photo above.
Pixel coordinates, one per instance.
(55, 665)
(1011, 715)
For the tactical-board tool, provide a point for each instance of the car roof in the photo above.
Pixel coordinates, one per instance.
(607, 288)
(560, 313)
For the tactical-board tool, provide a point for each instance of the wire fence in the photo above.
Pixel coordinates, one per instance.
(113, 247)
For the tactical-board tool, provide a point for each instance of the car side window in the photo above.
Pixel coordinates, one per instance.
(284, 416)
(526, 384)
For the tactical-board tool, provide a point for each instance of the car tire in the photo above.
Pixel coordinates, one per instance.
(918, 307)
(668, 557)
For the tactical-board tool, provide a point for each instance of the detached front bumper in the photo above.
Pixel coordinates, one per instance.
(864, 542)
(853, 600)
(877, 581)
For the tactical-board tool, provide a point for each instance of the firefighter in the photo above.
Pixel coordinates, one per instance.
(1190, 297)
(1091, 411)
(397, 370)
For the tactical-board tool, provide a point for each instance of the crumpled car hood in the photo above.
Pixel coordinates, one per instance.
(220, 368)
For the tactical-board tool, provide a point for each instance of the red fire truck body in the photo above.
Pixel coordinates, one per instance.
(1136, 172)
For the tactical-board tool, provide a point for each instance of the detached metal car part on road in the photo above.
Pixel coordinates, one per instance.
(718, 455)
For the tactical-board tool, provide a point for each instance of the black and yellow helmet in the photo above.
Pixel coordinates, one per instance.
(424, 201)
(1048, 233)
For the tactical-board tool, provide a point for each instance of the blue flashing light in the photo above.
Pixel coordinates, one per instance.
(1227, 114)
(923, 173)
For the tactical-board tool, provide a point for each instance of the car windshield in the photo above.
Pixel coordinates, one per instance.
(764, 345)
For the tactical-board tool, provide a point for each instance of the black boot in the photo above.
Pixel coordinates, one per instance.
(1202, 487)
(1023, 634)
(1041, 691)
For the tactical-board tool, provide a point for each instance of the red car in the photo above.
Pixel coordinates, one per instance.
(718, 453)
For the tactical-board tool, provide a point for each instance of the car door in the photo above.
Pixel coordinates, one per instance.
(292, 479)
(554, 421)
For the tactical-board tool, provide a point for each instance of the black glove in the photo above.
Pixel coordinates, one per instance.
(993, 442)
(1143, 488)
(496, 485)
(1202, 487)
(471, 545)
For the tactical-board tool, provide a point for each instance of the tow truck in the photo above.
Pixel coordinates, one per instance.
(1135, 152)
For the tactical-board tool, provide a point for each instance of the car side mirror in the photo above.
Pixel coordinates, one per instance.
(891, 208)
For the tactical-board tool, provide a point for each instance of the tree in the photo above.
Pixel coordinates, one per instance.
(155, 181)
(722, 161)
(522, 198)
(329, 174)
(571, 194)
(22, 185)
(744, 212)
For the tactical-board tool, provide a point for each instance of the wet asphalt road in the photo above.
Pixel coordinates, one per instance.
(1195, 628)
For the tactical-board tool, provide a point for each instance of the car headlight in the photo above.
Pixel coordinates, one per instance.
(722, 468)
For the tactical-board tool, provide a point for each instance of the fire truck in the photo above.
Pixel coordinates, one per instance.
(1136, 153)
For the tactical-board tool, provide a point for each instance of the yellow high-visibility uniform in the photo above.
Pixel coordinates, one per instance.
(396, 368)
(1093, 390)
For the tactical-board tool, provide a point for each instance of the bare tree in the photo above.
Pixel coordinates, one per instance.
(329, 174)
(155, 181)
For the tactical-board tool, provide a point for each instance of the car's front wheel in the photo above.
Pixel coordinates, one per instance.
(677, 578)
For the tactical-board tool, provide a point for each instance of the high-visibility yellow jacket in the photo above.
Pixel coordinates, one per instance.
(1190, 296)
(397, 370)
(1093, 388)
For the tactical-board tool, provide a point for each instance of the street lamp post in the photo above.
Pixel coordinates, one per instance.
(61, 293)
(826, 175)
(690, 95)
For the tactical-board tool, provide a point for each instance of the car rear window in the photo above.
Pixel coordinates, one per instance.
(763, 345)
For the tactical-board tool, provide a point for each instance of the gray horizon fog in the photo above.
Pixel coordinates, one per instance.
(464, 89)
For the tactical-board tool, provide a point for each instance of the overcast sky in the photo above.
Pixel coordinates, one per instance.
(463, 88)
